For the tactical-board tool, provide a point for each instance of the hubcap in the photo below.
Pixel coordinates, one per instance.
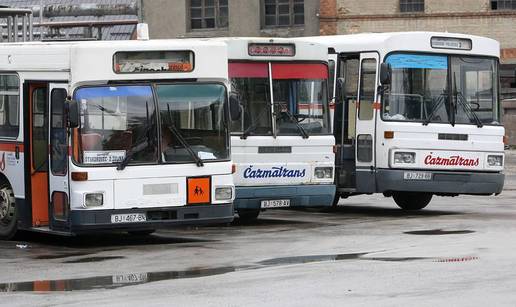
(5, 206)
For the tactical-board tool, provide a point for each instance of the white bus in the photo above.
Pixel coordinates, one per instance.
(282, 144)
(417, 114)
(125, 135)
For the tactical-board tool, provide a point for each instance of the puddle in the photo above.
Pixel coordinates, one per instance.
(438, 232)
(309, 259)
(59, 256)
(397, 259)
(93, 259)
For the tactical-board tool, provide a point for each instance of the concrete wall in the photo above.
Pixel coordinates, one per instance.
(169, 19)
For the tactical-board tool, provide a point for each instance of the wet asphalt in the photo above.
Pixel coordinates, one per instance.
(458, 251)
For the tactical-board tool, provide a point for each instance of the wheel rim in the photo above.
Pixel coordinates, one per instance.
(6, 207)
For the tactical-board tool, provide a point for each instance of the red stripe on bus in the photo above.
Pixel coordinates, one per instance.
(11, 146)
(299, 71)
(248, 70)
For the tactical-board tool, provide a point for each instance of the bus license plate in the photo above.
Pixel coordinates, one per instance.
(278, 203)
(417, 176)
(128, 218)
(130, 278)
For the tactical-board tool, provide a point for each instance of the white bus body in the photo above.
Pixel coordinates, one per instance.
(433, 126)
(282, 144)
(124, 167)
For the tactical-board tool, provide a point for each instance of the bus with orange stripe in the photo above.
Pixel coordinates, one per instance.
(113, 136)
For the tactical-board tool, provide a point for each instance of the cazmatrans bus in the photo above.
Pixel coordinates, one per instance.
(417, 114)
(125, 135)
(282, 143)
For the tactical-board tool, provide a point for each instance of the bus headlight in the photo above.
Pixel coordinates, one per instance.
(495, 160)
(323, 172)
(93, 200)
(223, 193)
(404, 157)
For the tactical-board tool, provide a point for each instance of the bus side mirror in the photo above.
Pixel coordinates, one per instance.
(73, 113)
(234, 107)
(339, 87)
(385, 74)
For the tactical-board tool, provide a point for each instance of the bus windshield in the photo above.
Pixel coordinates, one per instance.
(297, 92)
(120, 124)
(442, 89)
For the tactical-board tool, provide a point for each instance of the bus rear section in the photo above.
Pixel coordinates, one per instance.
(282, 143)
(417, 114)
(103, 148)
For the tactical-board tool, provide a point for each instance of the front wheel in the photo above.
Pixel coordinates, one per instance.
(412, 200)
(248, 215)
(8, 216)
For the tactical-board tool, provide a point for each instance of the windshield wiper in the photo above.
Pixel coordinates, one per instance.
(141, 144)
(108, 111)
(253, 127)
(435, 107)
(294, 120)
(198, 161)
(461, 100)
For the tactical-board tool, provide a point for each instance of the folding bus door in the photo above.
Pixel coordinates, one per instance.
(366, 123)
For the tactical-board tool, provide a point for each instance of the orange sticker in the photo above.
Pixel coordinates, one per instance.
(198, 190)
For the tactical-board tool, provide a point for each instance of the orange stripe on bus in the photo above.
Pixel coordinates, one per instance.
(11, 146)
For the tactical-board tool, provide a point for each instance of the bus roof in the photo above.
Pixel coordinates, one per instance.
(405, 41)
(93, 60)
(304, 50)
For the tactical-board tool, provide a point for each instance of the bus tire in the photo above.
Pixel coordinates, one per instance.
(248, 215)
(336, 200)
(8, 215)
(412, 200)
(145, 232)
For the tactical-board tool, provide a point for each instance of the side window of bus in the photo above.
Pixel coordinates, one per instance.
(331, 78)
(9, 106)
(59, 148)
(39, 129)
(367, 89)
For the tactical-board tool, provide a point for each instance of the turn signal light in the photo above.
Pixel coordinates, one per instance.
(505, 140)
(79, 176)
(233, 168)
(388, 134)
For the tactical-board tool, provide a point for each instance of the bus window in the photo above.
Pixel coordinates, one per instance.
(345, 123)
(194, 113)
(39, 130)
(114, 121)
(58, 144)
(9, 106)
(331, 77)
(299, 92)
(250, 81)
(367, 89)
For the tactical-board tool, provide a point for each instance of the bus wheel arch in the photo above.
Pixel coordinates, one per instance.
(412, 200)
(8, 212)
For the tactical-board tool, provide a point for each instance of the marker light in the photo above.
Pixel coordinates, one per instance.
(79, 176)
(404, 157)
(388, 134)
(271, 49)
(495, 160)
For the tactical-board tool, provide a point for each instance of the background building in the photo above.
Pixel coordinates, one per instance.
(71, 19)
(208, 18)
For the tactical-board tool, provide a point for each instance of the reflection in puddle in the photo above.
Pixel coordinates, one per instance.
(93, 259)
(438, 232)
(123, 280)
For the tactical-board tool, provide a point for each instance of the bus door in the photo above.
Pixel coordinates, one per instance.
(344, 121)
(366, 123)
(58, 157)
(37, 151)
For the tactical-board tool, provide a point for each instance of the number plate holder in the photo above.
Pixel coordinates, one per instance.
(417, 175)
(276, 203)
(128, 218)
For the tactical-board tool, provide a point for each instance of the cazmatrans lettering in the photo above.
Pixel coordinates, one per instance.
(451, 161)
(274, 172)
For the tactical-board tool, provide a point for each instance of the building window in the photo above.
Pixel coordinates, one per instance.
(208, 14)
(503, 4)
(284, 12)
(411, 6)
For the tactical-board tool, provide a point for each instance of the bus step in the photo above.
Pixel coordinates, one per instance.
(45, 229)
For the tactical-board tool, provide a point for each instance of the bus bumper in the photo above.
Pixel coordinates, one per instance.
(299, 195)
(88, 220)
(481, 183)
